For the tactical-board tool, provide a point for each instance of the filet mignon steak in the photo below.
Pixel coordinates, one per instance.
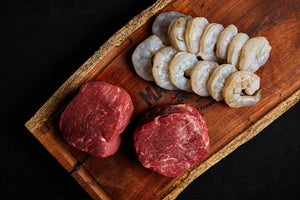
(171, 139)
(94, 119)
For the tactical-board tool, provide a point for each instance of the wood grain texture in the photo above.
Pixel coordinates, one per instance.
(121, 176)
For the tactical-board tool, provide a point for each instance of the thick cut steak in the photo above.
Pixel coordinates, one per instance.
(94, 119)
(171, 139)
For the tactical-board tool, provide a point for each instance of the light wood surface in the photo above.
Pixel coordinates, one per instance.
(121, 176)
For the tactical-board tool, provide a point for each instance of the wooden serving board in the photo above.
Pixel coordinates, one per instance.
(121, 176)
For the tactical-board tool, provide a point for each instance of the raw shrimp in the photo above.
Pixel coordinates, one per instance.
(237, 83)
(161, 25)
(235, 47)
(142, 56)
(217, 80)
(160, 68)
(224, 40)
(199, 76)
(208, 41)
(194, 29)
(176, 33)
(180, 66)
(254, 54)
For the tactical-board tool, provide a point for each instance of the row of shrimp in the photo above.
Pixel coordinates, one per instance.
(184, 53)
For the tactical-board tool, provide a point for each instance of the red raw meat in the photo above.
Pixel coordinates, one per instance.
(171, 139)
(94, 119)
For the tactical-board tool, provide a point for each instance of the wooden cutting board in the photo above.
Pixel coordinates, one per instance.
(121, 176)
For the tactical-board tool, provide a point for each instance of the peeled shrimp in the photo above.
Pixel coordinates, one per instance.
(217, 80)
(142, 56)
(199, 76)
(237, 83)
(235, 47)
(161, 25)
(160, 70)
(194, 29)
(223, 41)
(208, 41)
(180, 66)
(254, 54)
(176, 33)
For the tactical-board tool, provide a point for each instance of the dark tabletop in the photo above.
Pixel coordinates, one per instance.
(44, 42)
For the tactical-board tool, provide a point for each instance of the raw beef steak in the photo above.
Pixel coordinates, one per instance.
(171, 139)
(94, 119)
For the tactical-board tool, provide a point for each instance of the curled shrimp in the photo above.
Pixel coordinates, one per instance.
(217, 80)
(161, 25)
(180, 67)
(208, 41)
(142, 57)
(224, 40)
(160, 70)
(242, 89)
(254, 54)
(235, 47)
(194, 29)
(176, 33)
(199, 76)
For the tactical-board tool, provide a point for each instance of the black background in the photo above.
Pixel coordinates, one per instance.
(44, 42)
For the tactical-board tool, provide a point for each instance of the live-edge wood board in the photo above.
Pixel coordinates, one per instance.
(121, 176)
